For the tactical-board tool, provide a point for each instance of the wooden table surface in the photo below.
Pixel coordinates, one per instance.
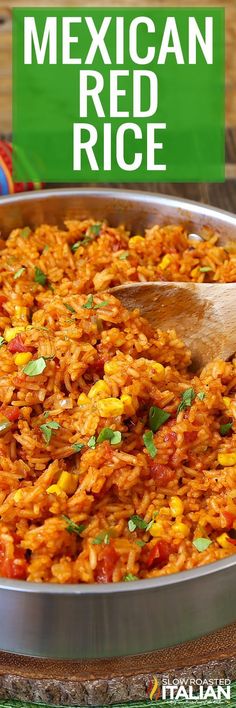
(221, 195)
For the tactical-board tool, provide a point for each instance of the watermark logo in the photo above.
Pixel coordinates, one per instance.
(154, 690)
(193, 689)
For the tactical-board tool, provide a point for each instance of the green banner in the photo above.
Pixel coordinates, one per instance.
(118, 95)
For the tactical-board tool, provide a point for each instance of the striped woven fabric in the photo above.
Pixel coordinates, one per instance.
(7, 185)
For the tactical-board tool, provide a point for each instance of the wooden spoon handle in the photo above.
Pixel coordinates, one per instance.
(203, 315)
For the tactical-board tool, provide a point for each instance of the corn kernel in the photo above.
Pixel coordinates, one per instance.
(227, 401)
(21, 312)
(157, 367)
(100, 388)
(18, 495)
(22, 359)
(128, 403)
(180, 529)
(223, 541)
(54, 489)
(68, 482)
(226, 459)
(11, 332)
(165, 262)
(176, 506)
(195, 272)
(156, 529)
(136, 240)
(110, 407)
(112, 367)
(83, 399)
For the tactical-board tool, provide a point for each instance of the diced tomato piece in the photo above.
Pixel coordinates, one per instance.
(133, 276)
(20, 380)
(159, 555)
(106, 565)
(17, 345)
(170, 435)
(11, 412)
(116, 246)
(190, 435)
(229, 519)
(15, 568)
(3, 299)
(233, 541)
(98, 365)
(161, 473)
(107, 452)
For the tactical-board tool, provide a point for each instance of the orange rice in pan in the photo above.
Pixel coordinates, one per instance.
(116, 463)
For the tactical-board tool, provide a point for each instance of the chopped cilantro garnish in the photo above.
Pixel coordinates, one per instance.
(48, 428)
(201, 544)
(77, 447)
(136, 522)
(19, 273)
(123, 256)
(103, 537)
(35, 366)
(46, 248)
(140, 543)
(72, 527)
(131, 525)
(39, 276)
(225, 428)
(2, 341)
(201, 395)
(75, 246)
(157, 417)
(69, 307)
(114, 436)
(149, 443)
(205, 269)
(92, 442)
(83, 242)
(101, 304)
(187, 399)
(89, 304)
(24, 233)
(130, 577)
(95, 229)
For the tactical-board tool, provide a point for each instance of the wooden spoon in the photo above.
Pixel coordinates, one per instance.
(203, 314)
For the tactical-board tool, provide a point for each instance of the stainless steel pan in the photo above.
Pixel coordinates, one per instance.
(79, 621)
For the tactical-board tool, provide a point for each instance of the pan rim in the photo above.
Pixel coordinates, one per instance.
(150, 584)
(97, 589)
(121, 195)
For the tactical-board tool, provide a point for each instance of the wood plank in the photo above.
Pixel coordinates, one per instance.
(107, 681)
